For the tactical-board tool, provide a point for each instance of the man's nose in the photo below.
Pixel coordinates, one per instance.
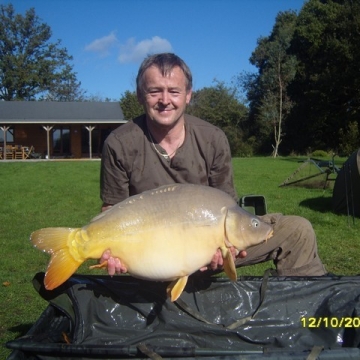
(164, 98)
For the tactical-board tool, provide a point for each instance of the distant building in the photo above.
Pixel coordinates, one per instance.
(64, 129)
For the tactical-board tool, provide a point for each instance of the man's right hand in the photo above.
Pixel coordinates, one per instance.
(114, 265)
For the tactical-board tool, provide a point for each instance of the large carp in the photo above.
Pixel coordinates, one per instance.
(164, 234)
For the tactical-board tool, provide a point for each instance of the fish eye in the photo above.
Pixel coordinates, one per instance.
(255, 222)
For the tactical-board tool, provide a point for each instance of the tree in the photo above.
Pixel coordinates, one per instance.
(66, 88)
(349, 139)
(130, 105)
(268, 90)
(219, 105)
(326, 88)
(30, 65)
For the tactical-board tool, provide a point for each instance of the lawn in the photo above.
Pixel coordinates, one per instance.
(66, 193)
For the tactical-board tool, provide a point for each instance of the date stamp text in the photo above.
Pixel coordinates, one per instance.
(330, 322)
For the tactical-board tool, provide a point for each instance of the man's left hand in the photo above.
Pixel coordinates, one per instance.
(217, 262)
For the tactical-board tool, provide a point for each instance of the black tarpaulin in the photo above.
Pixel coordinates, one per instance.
(93, 317)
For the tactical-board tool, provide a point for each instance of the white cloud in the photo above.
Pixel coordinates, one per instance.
(103, 45)
(136, 52)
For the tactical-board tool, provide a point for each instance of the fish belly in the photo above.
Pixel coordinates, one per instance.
(165, 254)
(161, 234)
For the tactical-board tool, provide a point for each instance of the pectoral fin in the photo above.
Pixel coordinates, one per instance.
(229, 265)
(102, 265)
(176, 287)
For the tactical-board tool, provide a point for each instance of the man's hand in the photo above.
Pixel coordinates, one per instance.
(105, 206)
(217, 261)
(114, 265)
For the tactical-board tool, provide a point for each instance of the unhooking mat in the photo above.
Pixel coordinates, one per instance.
(102, 317)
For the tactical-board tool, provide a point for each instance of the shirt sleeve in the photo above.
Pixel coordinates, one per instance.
(221, 172)
(114, 178)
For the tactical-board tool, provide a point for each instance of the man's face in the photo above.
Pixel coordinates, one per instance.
(164, 97)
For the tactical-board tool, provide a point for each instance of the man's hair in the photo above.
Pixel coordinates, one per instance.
(165, 62)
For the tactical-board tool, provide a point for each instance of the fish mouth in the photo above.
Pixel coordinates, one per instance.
(269, 235)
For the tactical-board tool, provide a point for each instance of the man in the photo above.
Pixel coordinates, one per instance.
(166, 146)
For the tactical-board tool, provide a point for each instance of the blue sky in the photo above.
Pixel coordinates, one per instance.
(108, 39)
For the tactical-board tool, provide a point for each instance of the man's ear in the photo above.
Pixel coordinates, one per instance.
(188, 96)
(140, 97)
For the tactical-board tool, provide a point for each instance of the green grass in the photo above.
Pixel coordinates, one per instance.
(41, 194)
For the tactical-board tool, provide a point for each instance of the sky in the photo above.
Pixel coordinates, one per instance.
(108, 39)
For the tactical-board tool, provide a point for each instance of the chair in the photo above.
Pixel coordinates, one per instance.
(19, 152)
(28, 151)
(9, 153)
(254, 204)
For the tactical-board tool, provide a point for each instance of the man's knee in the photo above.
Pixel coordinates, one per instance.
(299, 254)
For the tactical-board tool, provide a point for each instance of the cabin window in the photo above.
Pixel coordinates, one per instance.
(61, 141)
(9, 135)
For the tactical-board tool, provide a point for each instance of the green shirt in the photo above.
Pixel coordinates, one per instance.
(131, 165)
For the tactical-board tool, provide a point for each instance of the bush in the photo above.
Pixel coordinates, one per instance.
(319, 153)
(349, 139)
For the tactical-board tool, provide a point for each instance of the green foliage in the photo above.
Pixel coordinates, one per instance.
(30, 65)
(217, 104)
(239, 146)
(308, 68)
(319, 153)
(66, 88)
(130, 105)
(220, 106)
(349, 139)
(326, 87)
(267, 91)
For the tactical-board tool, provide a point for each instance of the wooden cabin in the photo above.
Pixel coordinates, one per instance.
(50, 129)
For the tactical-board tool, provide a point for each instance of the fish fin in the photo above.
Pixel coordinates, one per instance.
(229, 265)
(102, 265)
(61, 266)
(57, 242)
(176, 287)
(51, 239)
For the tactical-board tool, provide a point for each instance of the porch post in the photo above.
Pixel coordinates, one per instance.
(48, 129)
(90, 129)
(4, 129)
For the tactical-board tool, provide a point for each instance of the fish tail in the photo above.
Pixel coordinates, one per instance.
(65, 258)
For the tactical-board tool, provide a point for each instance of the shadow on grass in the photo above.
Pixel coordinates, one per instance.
(21, 329)
(300, 159)
(294, 159)
(320, 204)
